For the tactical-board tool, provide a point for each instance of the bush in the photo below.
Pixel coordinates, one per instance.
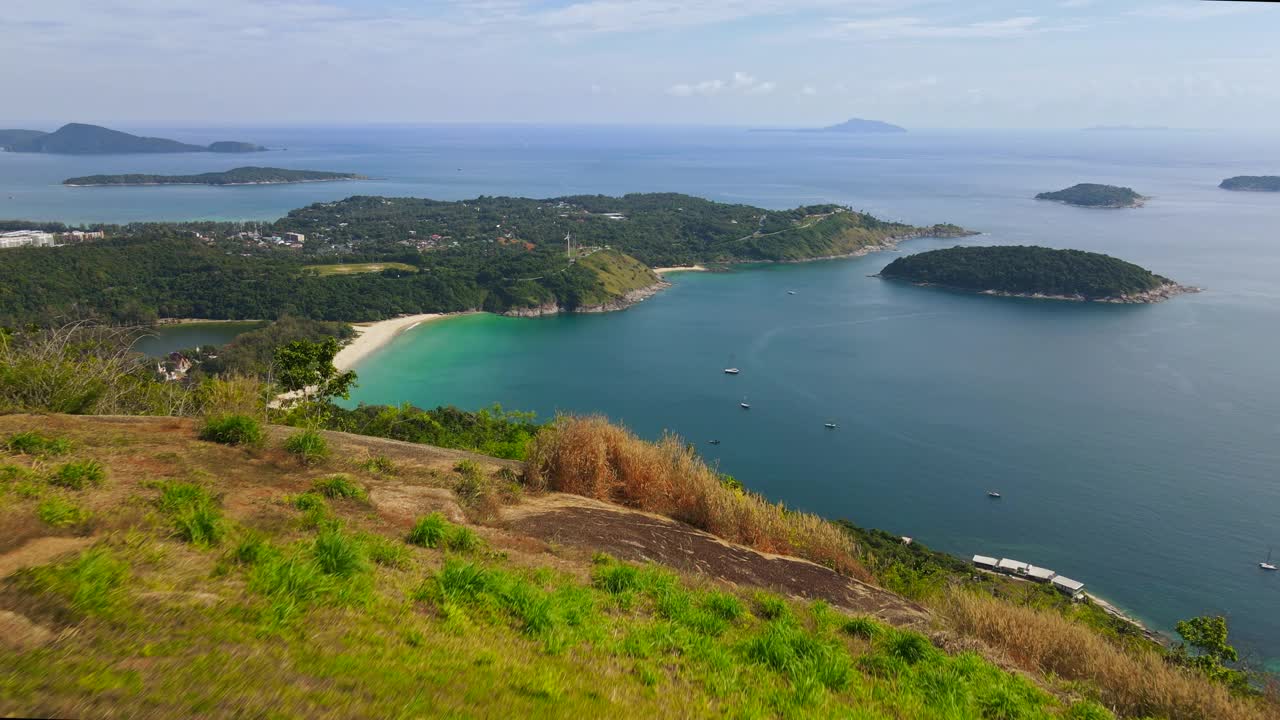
(33, 443)
(61, 513)
(193, 513)
(308, 445)
(337, 487)
(232, 430)
(79, 474)
(429, 531)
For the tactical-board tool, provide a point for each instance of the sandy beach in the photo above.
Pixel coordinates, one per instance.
(679, 268)
(371, 336)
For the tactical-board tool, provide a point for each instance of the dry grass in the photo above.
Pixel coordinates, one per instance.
(590, 456)
(1133, 684)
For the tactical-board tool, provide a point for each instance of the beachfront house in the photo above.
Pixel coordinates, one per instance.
(986, 563)
(1013, 567)
(1072, 588)
(1040, 574)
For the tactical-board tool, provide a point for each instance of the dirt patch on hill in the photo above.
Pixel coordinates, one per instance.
(644, 537)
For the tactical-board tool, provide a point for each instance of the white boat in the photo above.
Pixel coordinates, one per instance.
(993, 494)
(744, 404)
(830, 426)
(731, 371)
(791, 292)
(1267, 564)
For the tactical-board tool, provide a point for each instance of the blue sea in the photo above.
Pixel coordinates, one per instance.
(1137, 447)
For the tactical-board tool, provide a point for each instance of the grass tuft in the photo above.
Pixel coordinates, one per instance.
(91, 582)
(309, 446)
(232, 430)
(862, 627)
(193, 513)
(79, 474)
(340, 487)
(380, 464)
(58, 512)
(34, 443)
(337, 553)
(429, 531)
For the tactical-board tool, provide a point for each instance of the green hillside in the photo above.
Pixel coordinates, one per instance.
(1255, 183)
(1094, 195)
(237, 176)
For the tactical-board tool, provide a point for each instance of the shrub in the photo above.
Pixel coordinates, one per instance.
(79, 474)
(429, 531)
(337, 553)
(309, 446)
(337, 487)
(33, 443)
(61, 513)
(592, 457)
(193, 513)
(90, 582)
(232, 430)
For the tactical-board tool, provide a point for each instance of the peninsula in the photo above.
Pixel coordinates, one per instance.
(1252, 183)
(82, 139)
(1095, 196)
(408, 256)
(1034, 272)
(238, 176)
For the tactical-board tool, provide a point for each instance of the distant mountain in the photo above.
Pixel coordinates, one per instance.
(81, 139)
(9, 138)
(1254, 183)
(858, 125)
(851, 126)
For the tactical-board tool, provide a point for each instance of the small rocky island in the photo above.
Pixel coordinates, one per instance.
(238, 176)
(1035, 272)
(1095, 196)
(1252, 183)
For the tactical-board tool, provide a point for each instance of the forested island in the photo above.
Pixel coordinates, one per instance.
(1252, 183)
(1095, 195)
(82, 139)
(507, 255)
(1034, 272)
(237, 176)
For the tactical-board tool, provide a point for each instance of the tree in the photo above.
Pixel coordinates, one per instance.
(1205, 648)
(307, 367)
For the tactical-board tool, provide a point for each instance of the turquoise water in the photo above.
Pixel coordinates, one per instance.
(1136, 446)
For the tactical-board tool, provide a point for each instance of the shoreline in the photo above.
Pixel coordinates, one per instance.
(371, 337)
(679, 268)
(209, 184)
(1149, 297)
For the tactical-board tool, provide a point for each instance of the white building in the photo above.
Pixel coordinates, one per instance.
(293, 237)
(1013, 567)
(984, 562)
(1068, 586)
(26, 238)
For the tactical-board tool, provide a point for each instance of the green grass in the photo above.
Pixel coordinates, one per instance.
(340, 487)
(355, 268)
(91, 582)
(34, 443)
(380, 464)
(429, 531)
(232, 430)
(309, 446)
(193, 513)
(78, 474)
(315, 510)
(337, 553)
(59, 512)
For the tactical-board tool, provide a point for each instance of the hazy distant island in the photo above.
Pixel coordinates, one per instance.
(1035, 272)
(850, 126)
(1095, 195)
(237, 176)
(81, 139)
(1252, 183)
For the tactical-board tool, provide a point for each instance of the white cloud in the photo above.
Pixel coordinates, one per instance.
(740, 83)
(808, 90)
(1193, 11)
(893, 28)
(706, 87)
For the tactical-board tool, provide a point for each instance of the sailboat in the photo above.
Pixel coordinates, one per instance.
(1267, 564)
(744, 404)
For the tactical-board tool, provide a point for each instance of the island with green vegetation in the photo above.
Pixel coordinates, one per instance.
(1095, 196)
(237, 176)
(1252, 183)
(505, 255)
(82, 139)
(1034, 272)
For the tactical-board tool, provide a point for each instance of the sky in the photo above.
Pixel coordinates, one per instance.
(918, 63)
